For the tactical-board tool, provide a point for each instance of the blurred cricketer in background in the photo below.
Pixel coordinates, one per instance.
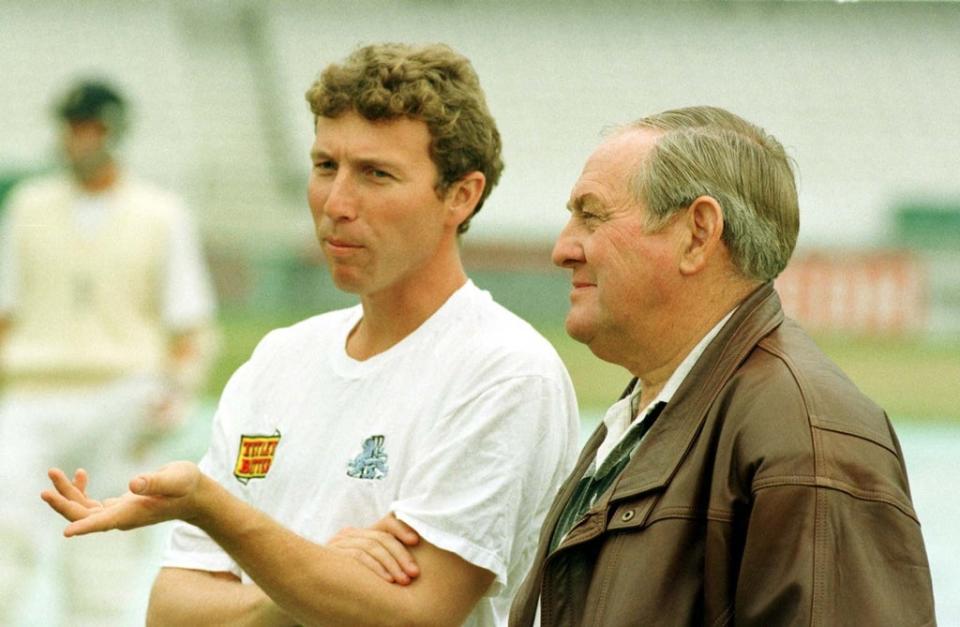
(742, 479)
(106, 319)
(428, 405)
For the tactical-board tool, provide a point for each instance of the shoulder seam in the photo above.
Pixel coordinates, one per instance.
(833, 484)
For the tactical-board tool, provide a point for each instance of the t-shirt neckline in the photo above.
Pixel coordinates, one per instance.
(345, 365)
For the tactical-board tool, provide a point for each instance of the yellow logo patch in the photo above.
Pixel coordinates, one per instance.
(255, 456)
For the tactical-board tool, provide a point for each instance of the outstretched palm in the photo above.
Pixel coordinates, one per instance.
(154, 497)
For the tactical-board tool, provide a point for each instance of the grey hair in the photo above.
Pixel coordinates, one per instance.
(707, 151)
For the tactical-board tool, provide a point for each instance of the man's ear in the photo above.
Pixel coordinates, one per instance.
(703, 224)
(462, 197)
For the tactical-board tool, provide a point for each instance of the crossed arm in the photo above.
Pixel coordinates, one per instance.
(300, 582)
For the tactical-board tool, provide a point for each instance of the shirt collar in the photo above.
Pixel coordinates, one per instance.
(676, 379)
(620, 416)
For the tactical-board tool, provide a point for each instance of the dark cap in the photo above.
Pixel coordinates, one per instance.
(93, 100)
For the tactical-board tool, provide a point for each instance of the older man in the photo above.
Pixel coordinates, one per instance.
(742, 478)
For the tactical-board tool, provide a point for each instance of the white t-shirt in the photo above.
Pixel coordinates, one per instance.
(464, 429)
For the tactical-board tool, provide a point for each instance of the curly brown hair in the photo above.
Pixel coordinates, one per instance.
(432, 83)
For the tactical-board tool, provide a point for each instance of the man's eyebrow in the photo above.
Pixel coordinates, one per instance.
(317, 154)
(379, 164)
(577, 204)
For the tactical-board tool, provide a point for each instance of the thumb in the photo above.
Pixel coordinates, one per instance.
(173, 480)
(140, 485)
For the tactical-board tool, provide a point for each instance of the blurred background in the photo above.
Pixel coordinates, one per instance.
(863, 95)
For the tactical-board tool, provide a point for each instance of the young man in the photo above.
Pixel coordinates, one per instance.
(427, 401)
(106, 316)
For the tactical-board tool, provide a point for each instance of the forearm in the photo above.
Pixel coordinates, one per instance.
(313, 584)
(182, 597)
(310, 583)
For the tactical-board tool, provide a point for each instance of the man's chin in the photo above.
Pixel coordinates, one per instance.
(346, 281)
(578, 330)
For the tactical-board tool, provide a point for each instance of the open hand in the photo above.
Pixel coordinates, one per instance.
(154, 497)
(382, 548)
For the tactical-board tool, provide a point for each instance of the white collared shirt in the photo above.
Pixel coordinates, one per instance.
(620, 417)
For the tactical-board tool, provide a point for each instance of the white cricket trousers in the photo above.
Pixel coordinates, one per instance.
(94, 578)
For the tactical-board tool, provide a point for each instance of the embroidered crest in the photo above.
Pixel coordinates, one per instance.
(371, 463)
(255, 456)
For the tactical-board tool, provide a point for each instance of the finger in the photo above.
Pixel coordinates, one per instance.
(372, 564)
(399, 554)
(381, 550)
(71, 510)
(398, 529)
(81, 480)
(56, 475)
(385, 549)
(67, 489)
(104, 520)
(403, 533)
(62, 483)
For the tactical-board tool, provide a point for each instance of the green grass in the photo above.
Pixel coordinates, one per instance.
(241, 330)
(598, 383)
(913, 379)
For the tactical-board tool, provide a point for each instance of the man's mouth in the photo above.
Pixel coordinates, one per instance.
(341, 243)
(337, 246)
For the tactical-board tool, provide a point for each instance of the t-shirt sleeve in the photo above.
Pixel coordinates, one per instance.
(189, 546)
(482, 487)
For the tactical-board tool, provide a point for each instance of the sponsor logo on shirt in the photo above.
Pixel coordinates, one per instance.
(371, 463)
(255, 456)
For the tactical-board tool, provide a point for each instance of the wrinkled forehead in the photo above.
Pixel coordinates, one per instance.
(627, 146)
(608, 171)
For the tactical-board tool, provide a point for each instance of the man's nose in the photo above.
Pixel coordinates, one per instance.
(568, 249)
(340, 202)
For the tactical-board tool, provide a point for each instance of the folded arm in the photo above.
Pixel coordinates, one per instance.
(189, 598)
(312, 583)
(384, 548)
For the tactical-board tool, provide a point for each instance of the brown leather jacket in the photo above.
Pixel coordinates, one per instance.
(769, 492)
